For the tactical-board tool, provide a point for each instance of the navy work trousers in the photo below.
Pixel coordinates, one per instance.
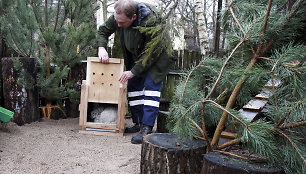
(144, 98)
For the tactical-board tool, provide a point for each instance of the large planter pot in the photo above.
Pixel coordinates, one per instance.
(23, 102)
(215, 162)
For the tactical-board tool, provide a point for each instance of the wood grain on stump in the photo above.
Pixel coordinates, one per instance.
(219, 163)
(165, 153)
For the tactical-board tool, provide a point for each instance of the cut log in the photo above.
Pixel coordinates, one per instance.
(23, 102)
(166, 153)
(219, 163)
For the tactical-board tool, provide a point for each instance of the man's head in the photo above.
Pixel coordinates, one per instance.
(125, 12)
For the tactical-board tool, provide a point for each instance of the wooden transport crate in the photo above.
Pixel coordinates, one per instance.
(102, 86)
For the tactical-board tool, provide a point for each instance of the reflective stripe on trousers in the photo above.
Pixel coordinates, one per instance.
(144, 98)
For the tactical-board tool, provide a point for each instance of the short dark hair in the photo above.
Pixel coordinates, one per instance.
(128, 7)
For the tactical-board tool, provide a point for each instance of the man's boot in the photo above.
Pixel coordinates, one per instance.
(133, 129)
(145, 130)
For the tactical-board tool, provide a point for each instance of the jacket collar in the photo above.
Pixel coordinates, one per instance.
(142, 12)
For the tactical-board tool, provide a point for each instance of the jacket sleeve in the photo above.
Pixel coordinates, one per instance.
(139, 68)
(105, 30)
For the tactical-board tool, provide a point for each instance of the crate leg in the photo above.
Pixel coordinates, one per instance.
(121, 109)
(83, 105)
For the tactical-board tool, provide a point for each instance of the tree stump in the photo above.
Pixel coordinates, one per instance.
(76, 74)
(166, 153)
(23, 102)
(219, 163)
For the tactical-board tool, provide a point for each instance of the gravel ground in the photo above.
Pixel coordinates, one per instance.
(56, 146)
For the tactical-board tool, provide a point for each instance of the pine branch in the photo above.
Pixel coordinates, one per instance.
(57, 14)
(222, 69)
(287, 114)
(235, 18)
(240, 84)
(18, 48)
(39, 22)
(79, 13)
(264, 28)
(204, 128)
(224, 93)
(273, 39)
(228, 112)
(186, 81)
(292, 125)
(293, 145)
(197, 126)
(185, 113)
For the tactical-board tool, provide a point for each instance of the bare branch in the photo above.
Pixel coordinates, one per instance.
(261, 41)
(204, 127)
(292, 125)
(241, 157)
(230, 143)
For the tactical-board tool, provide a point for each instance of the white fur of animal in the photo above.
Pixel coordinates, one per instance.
(104, 114)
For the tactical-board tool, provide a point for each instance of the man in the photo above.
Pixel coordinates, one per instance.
(144, 80)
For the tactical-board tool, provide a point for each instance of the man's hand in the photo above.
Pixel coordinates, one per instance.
(103, 55)
(126, 76)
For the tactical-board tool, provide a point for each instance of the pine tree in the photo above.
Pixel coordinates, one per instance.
(160, 36)
(60, 33)
(264, 45)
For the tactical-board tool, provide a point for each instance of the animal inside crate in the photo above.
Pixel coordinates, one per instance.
(102, 96)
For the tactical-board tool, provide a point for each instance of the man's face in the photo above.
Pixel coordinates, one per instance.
(123, 21)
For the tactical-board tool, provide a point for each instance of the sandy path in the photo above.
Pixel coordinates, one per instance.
(55, 146)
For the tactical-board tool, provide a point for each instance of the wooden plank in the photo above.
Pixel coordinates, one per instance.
(110, 60)
(85, 105)
(273, 83)
(255, 104)
(121, 109)
(248, 115)
(265, 94)
(82, 104)
(100, 133)
(100, 125)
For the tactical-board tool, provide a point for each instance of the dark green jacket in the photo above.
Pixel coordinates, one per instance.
(159, 67)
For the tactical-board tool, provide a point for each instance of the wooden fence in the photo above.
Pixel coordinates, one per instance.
(185, 60)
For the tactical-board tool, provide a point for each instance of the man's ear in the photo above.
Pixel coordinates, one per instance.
(134, 17)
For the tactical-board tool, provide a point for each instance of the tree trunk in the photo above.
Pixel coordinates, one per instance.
(218, 163)
(104, 8)
(1, 48)
(76, 74)
(24, 102)
(218, 28)
(203, 36)
(169, 154)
